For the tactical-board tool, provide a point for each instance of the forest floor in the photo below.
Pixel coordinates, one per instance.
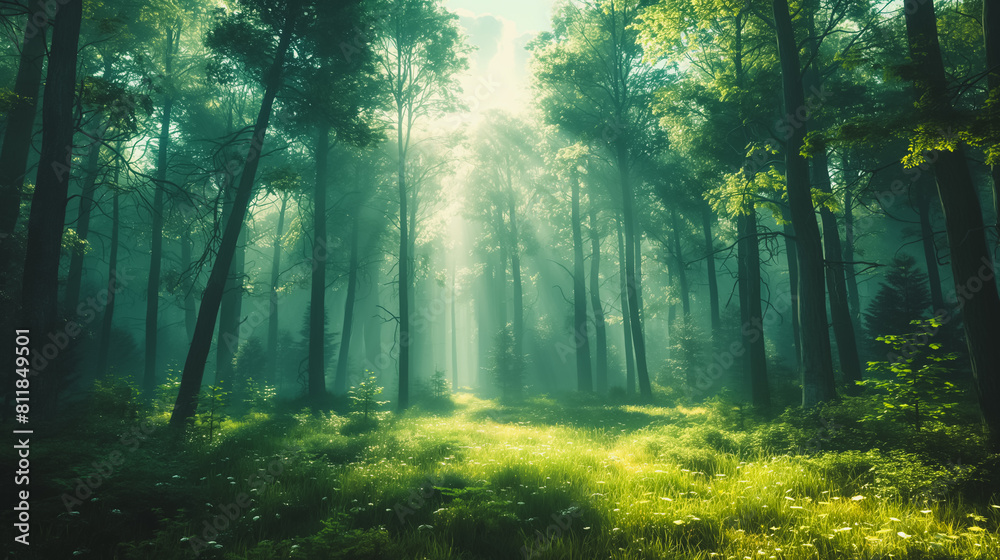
(569, 478)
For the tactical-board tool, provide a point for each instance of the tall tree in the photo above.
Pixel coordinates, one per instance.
(40, 286)
(590, 80)
(418, 50)
(817, 366)
(600, 329)
(584, 377)
(20, 125)
(970, 254)
(247, 28)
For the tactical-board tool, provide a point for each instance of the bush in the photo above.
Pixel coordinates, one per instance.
(437, 393)
(912, 381)
(365, 404)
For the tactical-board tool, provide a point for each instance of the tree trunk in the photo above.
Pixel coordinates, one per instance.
(454, 335)
(75, 276)
(40, 286)
(752, 328)
(581, 341)
(600, 330)
(681, 272)
(373, 324)
(190, 310)
(515, 271)
(626, 320)
(792, 255)
(317, 301)
(20, 125)
(836, 282)
(817, 366)
(272, 319)
(713, 281)
(853, 297)
(971, 259)
(194, 364)
(403, 399)
(104, 350)
(230, 311)
(340, 381)
(991, 39)
(500, 274)
(924, 195)
(632, 271)
(156, 235)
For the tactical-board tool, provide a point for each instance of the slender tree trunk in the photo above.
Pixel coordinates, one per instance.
(272, 320)
(515, 271)
(792, 255)
(853, 297)
(836, 282)
(230, 311)
(971, 259)
(20, 125)
(713, 281)
(403, 400)
(991, 38)
(500, 274)
(75, 276)
(924, 195)
(681, 272)
(454, 334)
(194, 364)
(156, 235)
(340, 382)
(633, 258)
(190, 310)
(104, 350)
(600, 330)
(40, 286)
(743, 288)
(373, 324)
(317, 302)
(584, 376)
(817, 366)
(752, 328)
(626, 318)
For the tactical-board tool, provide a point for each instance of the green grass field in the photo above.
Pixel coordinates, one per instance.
(570, 478)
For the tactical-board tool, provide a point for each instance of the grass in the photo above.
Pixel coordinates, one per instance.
(548, 478)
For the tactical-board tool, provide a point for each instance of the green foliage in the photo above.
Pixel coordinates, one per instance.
(689, 352)
(337, 540)
(913, 381)
(250, 368)
(364, 397)
(902, 297)
(213, 404)
(506, 366)
(437, 393)
(116, 399)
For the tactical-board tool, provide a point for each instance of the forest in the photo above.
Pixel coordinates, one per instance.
(457, 279)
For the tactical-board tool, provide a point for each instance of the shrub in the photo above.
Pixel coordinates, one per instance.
(913, 379)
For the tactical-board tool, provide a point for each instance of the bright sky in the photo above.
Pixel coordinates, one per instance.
(498, 74)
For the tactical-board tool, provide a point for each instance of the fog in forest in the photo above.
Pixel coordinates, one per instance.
(380, 263)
